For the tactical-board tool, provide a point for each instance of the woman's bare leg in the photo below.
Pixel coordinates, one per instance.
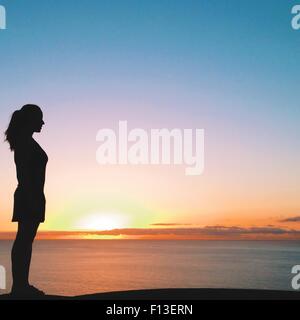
(21, 253)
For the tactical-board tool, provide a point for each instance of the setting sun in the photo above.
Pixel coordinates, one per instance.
(101, 221)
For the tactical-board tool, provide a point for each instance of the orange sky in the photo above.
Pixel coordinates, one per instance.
(81, 195)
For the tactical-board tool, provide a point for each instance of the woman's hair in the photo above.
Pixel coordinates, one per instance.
(21, 123)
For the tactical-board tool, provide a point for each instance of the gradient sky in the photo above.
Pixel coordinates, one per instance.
(230, 67)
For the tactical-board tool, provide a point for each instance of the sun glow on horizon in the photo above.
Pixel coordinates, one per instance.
(101, 221)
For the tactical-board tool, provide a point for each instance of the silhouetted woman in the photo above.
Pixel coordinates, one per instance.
(29, 199)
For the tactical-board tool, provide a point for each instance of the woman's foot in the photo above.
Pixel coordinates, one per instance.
(26, 292)
(35, 291)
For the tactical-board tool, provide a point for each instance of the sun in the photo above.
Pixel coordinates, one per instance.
(101, 221)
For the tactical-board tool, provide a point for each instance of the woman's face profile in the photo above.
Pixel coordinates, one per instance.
(37, 122)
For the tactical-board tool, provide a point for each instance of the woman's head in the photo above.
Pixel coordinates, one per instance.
(24, 123)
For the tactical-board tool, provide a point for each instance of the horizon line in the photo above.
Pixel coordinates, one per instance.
(203, 233)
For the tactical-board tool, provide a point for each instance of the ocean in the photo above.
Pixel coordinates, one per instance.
(75, 267)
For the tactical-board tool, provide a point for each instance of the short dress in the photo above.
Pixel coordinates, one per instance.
(29, 198)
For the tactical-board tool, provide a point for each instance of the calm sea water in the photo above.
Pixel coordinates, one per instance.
(74, 267)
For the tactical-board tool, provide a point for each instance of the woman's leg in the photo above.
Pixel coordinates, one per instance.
(21, 253)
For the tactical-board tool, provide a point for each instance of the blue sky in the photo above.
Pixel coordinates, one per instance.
(242, 52)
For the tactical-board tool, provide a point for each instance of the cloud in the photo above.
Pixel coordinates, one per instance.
(216, 232)
(204, 231)
(292, 219)
(171, 224)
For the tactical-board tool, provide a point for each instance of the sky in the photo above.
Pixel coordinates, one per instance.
(228, 67)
